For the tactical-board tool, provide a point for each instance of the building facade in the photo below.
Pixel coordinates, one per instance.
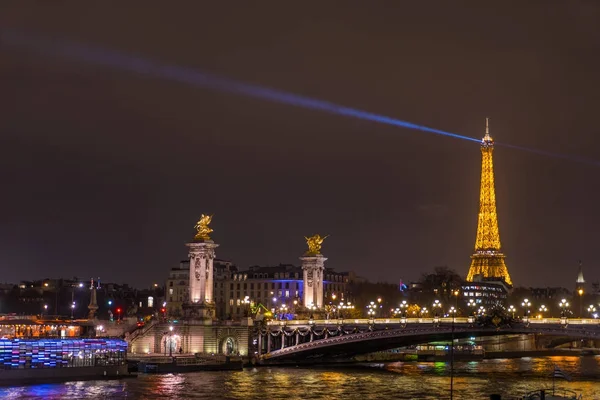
(177, 285)
(278, 288)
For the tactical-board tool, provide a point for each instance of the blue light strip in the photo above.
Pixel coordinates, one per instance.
(113, 59)
(199, 79)
(48, 353)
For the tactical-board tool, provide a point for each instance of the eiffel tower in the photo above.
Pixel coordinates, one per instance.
(488, 261)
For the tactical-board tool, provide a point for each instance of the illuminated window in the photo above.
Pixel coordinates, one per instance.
(151, 300)
(230, 302)
(171, 291)
(287, 293)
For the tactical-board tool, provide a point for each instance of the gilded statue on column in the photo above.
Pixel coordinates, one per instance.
(314, 244)
(202, 228)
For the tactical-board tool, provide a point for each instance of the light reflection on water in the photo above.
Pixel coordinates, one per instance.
(410, 380)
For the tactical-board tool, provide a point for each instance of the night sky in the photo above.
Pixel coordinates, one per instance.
(105, 172)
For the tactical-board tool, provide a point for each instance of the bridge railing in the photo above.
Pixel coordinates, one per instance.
(456, 320)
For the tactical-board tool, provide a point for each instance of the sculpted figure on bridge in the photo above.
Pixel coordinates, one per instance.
(202, 228)
(314, 244)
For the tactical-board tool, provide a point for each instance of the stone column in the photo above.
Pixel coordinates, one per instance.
(201, 256)
(313, 269)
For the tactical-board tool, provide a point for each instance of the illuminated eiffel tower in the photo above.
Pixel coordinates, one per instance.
(488, 261)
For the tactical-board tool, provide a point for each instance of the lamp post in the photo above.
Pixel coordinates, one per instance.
(564, 306)
(526, 304)
(437, 305)
(452, 312)
(379, 306)
(543, 309)
(472, 304)
(72, 309)
(512, 310)
(455, 293)
(424, 311)
(403, 308)
(592, 311)
(580, 291)
(481, 311)
(371, 310)
(45, 308)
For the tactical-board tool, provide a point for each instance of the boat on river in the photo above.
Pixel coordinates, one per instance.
(554, 393)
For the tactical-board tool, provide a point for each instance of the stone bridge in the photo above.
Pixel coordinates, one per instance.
(296, 341)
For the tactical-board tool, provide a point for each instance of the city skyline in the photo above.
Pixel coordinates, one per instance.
(106, 171)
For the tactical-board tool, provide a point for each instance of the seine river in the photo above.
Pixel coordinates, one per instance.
(409, 380)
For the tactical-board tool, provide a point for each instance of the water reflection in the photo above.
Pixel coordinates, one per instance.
(404, 380)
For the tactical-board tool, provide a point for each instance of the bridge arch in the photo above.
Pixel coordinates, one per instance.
(367, 338)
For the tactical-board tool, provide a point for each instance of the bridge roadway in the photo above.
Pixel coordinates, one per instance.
(298, 340)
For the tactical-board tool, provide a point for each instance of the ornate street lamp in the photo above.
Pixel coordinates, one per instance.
(592, 311)
(481, 311)
(512, 310)
(424, 311)
(526, 304)
(403, 308)
(437, 305)
(543, 309)
(452, 313)
(564, 307)
(472, 304)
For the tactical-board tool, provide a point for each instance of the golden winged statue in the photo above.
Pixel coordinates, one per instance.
(314, 244)
(202, 228)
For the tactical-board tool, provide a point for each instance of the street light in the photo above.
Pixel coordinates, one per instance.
(526, 304)
(481, 310)
(456, 292)
(436, 306)
(543, 309)
(472, 304)
(371, 309)
(452, 312)
(564, 307)
(72, 309)
(513, 310)
(580, 291)
(424, 311)
(403, 308)
(592, 311)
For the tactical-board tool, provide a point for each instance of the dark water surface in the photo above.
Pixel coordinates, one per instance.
(410, 380)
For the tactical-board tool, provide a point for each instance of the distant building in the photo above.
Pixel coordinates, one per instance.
(273, 287)
(488, 293)
(549, 294)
